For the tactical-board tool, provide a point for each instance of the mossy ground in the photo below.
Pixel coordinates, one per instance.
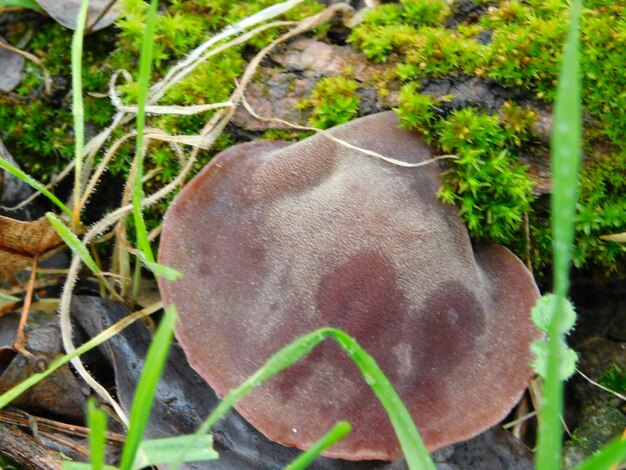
(514, 44)
(602, 418)
(38, 128)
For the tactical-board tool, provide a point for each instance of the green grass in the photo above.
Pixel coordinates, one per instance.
(145, 68)
(97, 422)
(523, 53)
(78, 109)
(414, 450)
(341, 429)
(144, 395)
(566, 155)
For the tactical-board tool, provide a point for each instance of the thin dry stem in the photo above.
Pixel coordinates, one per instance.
(66, 171)
(154, 109)
(91, 24)
(529, 262)
(47, 81)
(20, 339)
(328, 135)
(209, 133)
(520, 420)
(602, 387)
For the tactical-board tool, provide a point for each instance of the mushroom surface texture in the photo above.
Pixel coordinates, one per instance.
(276, 239)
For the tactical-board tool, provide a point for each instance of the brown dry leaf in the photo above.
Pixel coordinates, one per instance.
(65, 12)
(617, 237)
(60, 393)
(20, 241)
(11, 65)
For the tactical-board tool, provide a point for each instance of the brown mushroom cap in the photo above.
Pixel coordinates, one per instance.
(276, 240)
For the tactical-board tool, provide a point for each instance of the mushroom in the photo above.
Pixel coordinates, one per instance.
(277, 239)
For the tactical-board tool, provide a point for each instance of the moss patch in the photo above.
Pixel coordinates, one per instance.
(515, 44)
(334, 101)
(38, 129)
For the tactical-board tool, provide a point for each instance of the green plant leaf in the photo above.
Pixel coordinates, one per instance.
(568, 359)
(611, 454)
(165, 451)
(145, 67)
(73, 242)
(413, 447)
(566, 150)
(32, 182)
(306, 458)
(78, 108)
(20, 4)
(8, 298)
(97, 422)
(142, 402)
(160, 270)
(543, 314)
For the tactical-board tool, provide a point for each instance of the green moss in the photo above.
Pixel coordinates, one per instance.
(492, 190)
(379, 42)
(524, 52)
(437, 52)
(614, 378)
(334, 101)
(38, 128)
(25, 120)
(601, 211)
(601, 419)
(415, 111)
(488, 182)
(526, 47)
(518, 123)
(425, 12)
(284, 134)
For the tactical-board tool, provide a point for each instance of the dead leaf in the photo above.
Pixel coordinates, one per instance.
(20, 241)
(61, 393)
(617, 237)
(66, 11)
(11, 66)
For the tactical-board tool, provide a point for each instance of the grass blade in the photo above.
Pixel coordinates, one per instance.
(155, 361)
(566, 156)
(164, 451)
(413, 447)
(20, 4)
(67, 465)
(78, 110)
(145, 67)
(97, 422)
(158, 269)
(14, 392)
(73, 242)
(8, 298)
(33, 183)
(611, 454)
(335, 434)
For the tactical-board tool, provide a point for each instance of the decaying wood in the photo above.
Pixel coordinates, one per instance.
(27, 451)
